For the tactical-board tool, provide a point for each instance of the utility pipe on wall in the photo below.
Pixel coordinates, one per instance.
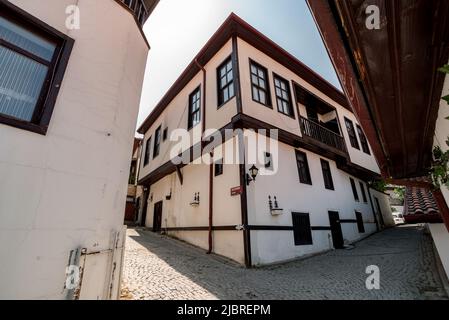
(211, 200)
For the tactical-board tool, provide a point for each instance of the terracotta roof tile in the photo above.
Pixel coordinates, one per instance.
(420, 206)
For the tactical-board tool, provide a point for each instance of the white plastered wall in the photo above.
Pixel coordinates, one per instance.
(178, 213)
(68, 189)
(293, 196)
(439, 232)
(175, 116)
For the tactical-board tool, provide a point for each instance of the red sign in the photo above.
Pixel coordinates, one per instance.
(236, 191)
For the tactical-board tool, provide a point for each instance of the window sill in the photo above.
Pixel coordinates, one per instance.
(191, 128)
(269, 106)
(287, 115)
(24, 125)
(224, 103)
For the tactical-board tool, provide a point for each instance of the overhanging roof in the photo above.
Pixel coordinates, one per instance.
(235, 26)
(150, 5)
(390, 75)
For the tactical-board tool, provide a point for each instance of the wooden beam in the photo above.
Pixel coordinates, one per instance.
(180, 177)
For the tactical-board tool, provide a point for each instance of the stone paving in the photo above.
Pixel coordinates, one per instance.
(158, 267)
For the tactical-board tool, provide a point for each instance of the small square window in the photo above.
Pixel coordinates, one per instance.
(219, 168)
(268, 161)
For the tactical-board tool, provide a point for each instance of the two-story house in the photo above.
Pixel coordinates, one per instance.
(71, 76)
(133, 196)
(307, 194)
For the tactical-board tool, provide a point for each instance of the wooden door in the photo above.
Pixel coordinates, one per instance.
(337, 234)
(157, 218)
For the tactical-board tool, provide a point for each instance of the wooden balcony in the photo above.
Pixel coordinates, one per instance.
(322, 136)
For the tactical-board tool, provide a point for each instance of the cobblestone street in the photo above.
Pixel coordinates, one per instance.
(157, 267)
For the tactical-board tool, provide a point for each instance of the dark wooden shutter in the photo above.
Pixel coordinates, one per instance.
(301, 229)
(360, 224)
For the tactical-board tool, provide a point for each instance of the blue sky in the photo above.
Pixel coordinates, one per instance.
(178, 29)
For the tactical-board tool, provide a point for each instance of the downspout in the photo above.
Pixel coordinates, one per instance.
(211, 167)
(211, 200)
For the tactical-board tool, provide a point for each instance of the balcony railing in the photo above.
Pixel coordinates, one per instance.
(139, 9)
(322, 134)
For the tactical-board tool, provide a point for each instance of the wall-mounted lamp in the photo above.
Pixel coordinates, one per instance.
(168, 197)
(196, 200)
(253, 171)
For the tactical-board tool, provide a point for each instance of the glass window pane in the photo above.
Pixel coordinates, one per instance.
(253, 69)
(225, 95)
(222, 72)
(262, 97)
(262, 84)
(283, 86)
(26, 40)
(230, 76)
(276, 82)
(21, 81)
(254, 79)
(231, 91)
(255, 94)
(223, 82)
(229, 66)
(261, 74)
(286, 107)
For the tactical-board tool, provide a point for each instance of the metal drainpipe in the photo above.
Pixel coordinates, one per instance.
(211, 201)
(211, 168)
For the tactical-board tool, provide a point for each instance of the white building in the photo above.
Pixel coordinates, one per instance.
(69, 99)
(242, 80)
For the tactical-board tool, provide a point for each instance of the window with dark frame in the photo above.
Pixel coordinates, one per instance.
(362, 187)
(351, 132)
(225, 78)
(283, 96)
(194, 108)
(157, 142)
(146, 159)
(360, 224)
(354, 190)
(259, 84)
(268, 157)
(303, 168)
(33, 59)
(327, 175)
(302, 230)
(219, 167)
(165, 134)
(363, 140)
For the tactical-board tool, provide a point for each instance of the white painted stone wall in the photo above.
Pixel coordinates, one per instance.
(439, 232)
(293, 196)
(68, 189)
(175, 115)
(267, 246)
(177, 212)
(385, 207)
